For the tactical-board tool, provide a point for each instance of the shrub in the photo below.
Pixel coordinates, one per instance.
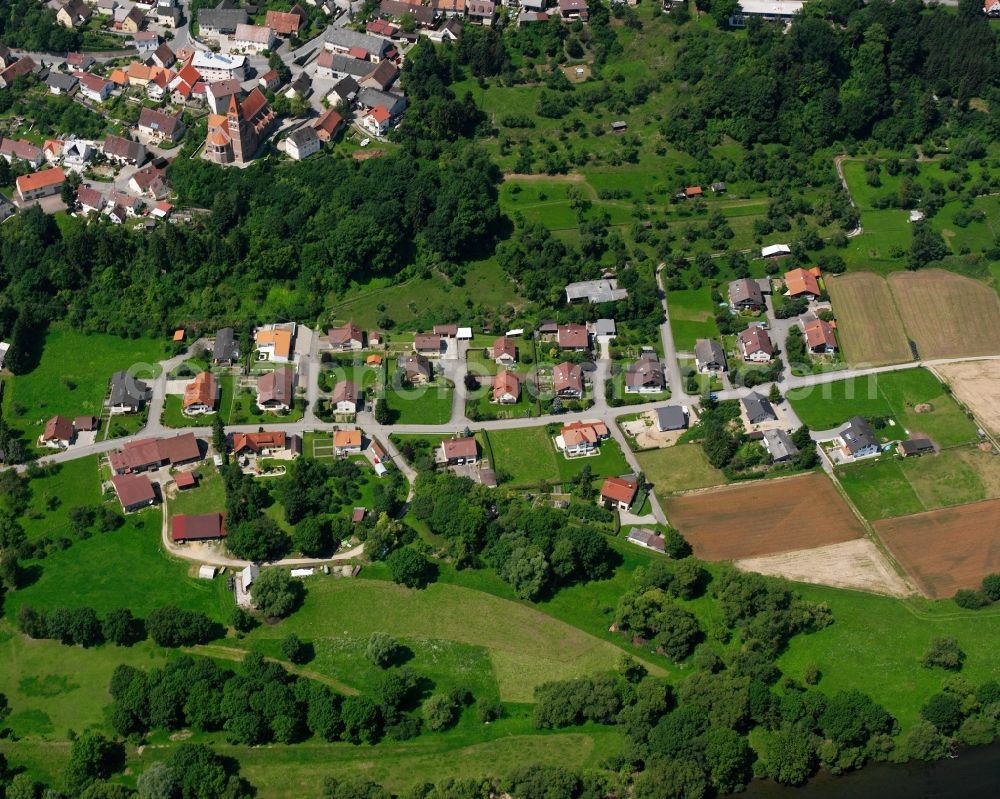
(943, 653)
(970, 599)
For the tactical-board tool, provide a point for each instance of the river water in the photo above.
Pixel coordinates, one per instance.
(974, 774)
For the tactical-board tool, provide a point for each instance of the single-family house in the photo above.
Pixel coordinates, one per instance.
(573, 9)
(58, 433)
(40, 184)
(461, 450)
(157, 126)
(671, 417)
(718, 187)
(274, 342)
(151, 181)
(858, 439)
(573, 337)
(345, 338)
(382, 77)
(504, 351)
(163, 56)
(328, 125)
(915, 447)
(482, 11)
(337, 65)
(346, 442)
(758, 408)
(187, 84)
(127, 393)
(416, 368)
(94, 88)
(819, 336)
(709, 356)
(73, 13)
(134, 491)
(284, 23)
(645, 376)
(345, 398)
(345, 40)
(107, 8)
(344, 90)
(270, 80)
(265, 443)
(377, 121)
(166, 16)
(60, 82)
(567, 380)
(201, 394)
(202, 527)
(991, 8)
(252, 38)
(755, 344)
(779, 445)
(506, 387)
(146, 43)
(581, 438)
(745, 295)
(276, 390)
(302, 142)
(21, 150)
(90, 200)
(646, 538)
(225, 350)
(428, 344)
(18, 69)
(122, 150)
(802, 283)
(218, 94)
(220, 21)
(619, 493)
(133, 22)
(80, 61)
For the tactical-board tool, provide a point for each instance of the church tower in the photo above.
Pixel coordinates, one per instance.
(236, 131)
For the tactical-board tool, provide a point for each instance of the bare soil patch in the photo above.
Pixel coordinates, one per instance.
(947, 549)
(868, 325)
(947, 315)
(857, 564)
(764, 518)
(977, 385)
(364, 155)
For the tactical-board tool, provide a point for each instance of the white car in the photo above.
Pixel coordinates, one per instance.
(365, 142)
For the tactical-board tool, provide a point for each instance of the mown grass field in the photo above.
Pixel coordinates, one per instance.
(682, 467)
(896, 487)
(209, 496)
(892, 394)
(71, 484)
(530, 457)
(868, 324)
(692, 316)
(72, 376)
(420, 405)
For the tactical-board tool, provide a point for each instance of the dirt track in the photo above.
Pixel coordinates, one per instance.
(977, 384)
(764, 517)
(854, 564)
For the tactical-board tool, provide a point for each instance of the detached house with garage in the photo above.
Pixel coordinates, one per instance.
(504, 351)
(156, 126)
(127, 394)
(455, 451)
(201, 395)
(573, 337)
(506, 387)
(581, 438)
(755, 345)
(225, 350)
(427, 344)
(758, 408)
(346, 338)
(779, 445)
(819, 336)
(58, 433)
(274, 342)
(745, 295)
(858, 439)
(567, 381)
(345, 397)
(645, 376)
(416, 369)
(618, 493)
(709, 356)
(276, 390)
(802, 283)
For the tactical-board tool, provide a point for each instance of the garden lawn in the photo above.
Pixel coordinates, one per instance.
(892, 394)
(72, 376)
(527, 454)
(421, 405)
(692, 316)
(209, 496)
(244, 410)
(609, 462)
(682, 467)
(173, 414)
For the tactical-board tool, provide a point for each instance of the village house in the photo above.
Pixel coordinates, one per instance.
(163, 56)
(645, 376)
(819, 336)
(573, 337)
(152, 453)
(73, 13)
(158, 85)
(709, 356)
(337, 65)
(459, 451)
(274, 342)
(416, 369)
(380, 78)
(671, 417)
(201, 395)
(134, 491)
(60, 83)
(427, 344)
(202, 527)
(573, 9)
(21, 150)
(802, 283)
(857, 439)
(252, 39)
(187, 85)
(156, 126)
(127, 393)
(481, 11)
(779, 445)
(90, 200)
(506, 387)
(265, 443)
(328, 125)
(646, 538)
(80, 61)
(276, 390)
(745, 295)
(284, 23)
(377, 121)
(40, 184)
(346, 338)
(504, 351)
(345, 397)
(58, 433)
(225, 349)
(755, 344)
(344, 90)
(218, 94)
(122, 150)
(18, 69)
(146, 43)
(220, 21)
(567, 380)
(167, 16)
(581, 438)
(151, 181)
(129, 203)
(94, 88)
(219, 66)
(758, 408)
(133, 22)
(618, 493)
(302, 142)
(370, 99)
(346, 442)
(345, 40)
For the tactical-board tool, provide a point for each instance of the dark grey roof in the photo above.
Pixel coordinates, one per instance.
(709, 351)
(780, 445)
(346, 39)
(858, 435)
(225, 348)
(645, 372)
(304, 135)
(346, 88)
(759, 409)
(127, 391)
(57, 80)
(302, 84)
(745, 290)
(222, 19)
(394, 103)
(671, 417)
(916, 446)
(346, 65)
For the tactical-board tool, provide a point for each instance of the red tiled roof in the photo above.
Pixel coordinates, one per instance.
(283, 22)
(618, 490)
(133, 489)
(460, 447)
(39, 180)
(504, 346)
(572, 336)
(201, 391)
(198, 528)
(567, 375)
(255, 442)
(819, 333)
(755, 339)
(506, 383)
(58, 428)
(799, 281)
(185, 479)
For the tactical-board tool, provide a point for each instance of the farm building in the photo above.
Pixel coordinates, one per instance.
(644, 537)
(202, 527)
